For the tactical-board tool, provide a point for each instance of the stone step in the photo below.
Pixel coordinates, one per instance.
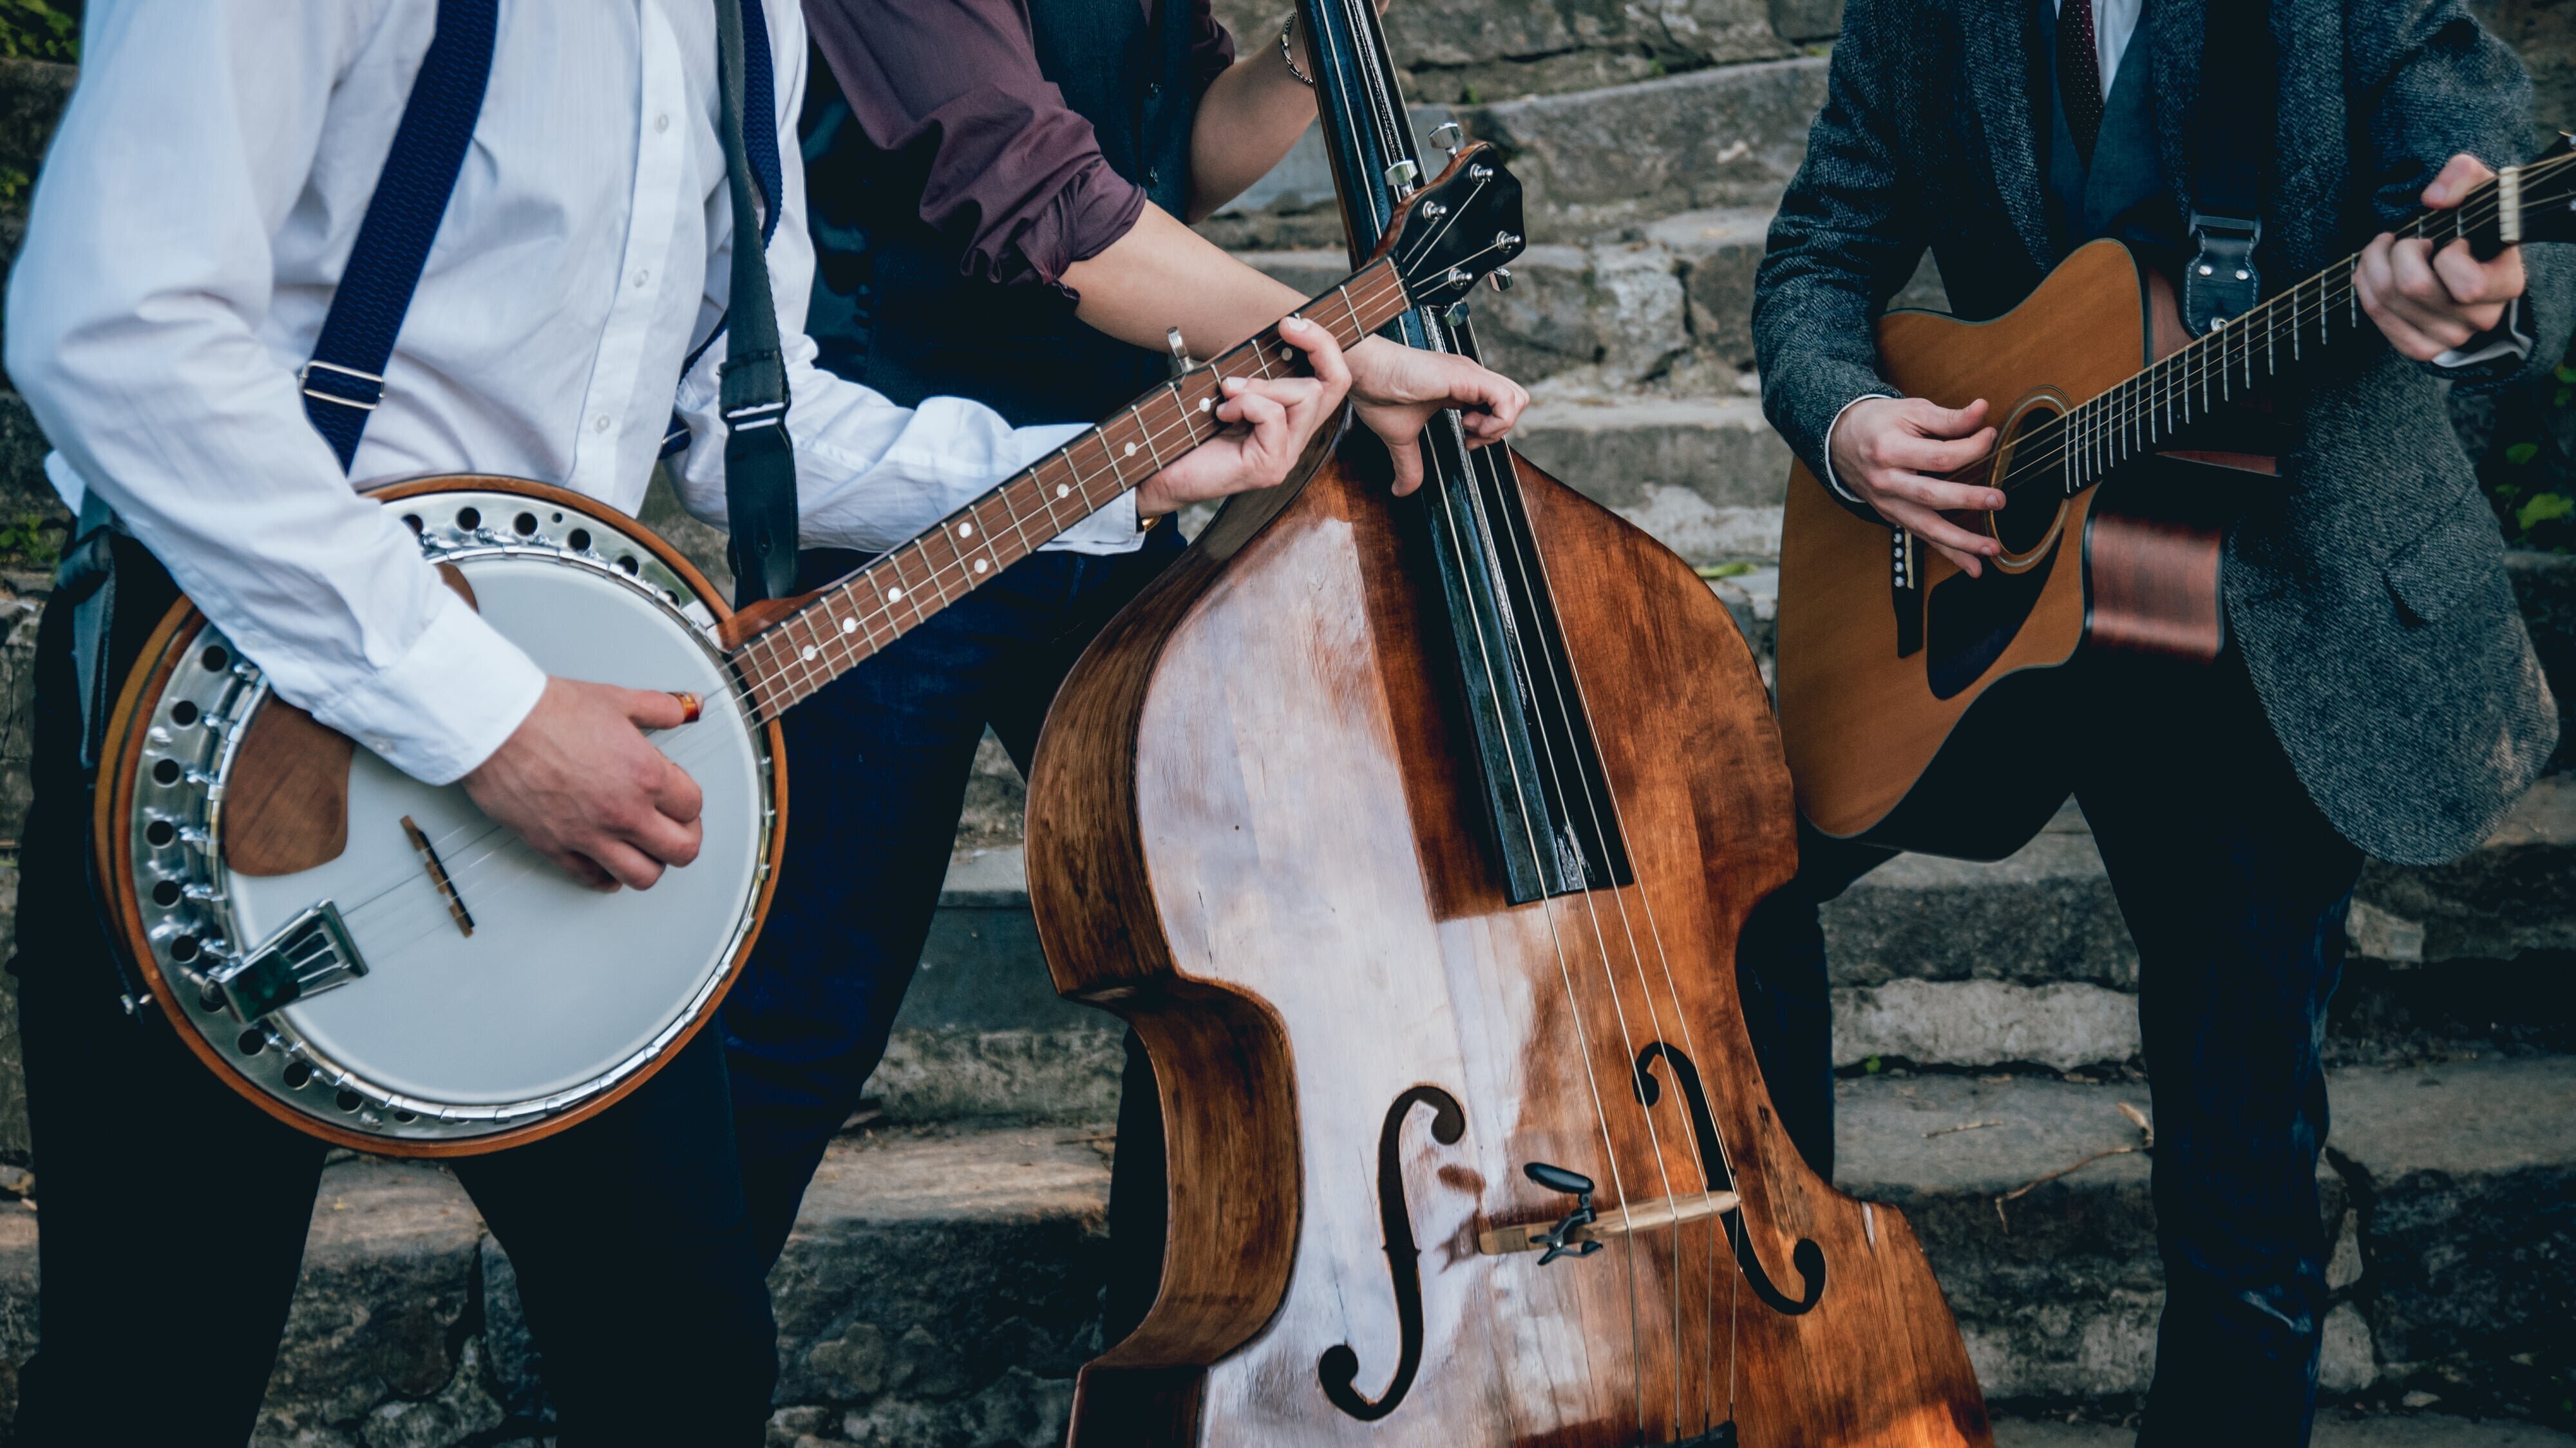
(937, 1290)
(1667, 306)
(2448, 1187)
(942, 1288)
(2405, 1429)
(2018, 964)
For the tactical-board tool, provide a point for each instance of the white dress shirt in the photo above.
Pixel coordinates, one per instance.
(2114, 22)
(193, 218)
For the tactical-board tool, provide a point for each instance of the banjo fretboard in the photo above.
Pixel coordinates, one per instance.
(834, 629)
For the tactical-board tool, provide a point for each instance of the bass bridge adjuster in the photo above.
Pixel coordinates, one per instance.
(1559, 1239)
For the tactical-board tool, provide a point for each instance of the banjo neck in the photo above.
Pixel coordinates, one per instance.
(786, 649)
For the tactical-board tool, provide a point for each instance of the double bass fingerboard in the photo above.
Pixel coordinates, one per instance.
(872, 607)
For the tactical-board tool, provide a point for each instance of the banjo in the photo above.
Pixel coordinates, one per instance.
(375, 961)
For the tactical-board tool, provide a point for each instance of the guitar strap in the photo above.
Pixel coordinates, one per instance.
(760, 459)
(2233, 122)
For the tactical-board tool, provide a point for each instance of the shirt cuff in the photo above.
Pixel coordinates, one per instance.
(2505, 339)
(1835, 483)
(441, 709)
(1111, 530)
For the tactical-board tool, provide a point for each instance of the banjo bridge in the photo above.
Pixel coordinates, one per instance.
(312, 954)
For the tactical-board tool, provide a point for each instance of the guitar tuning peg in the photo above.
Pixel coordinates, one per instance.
(1501, 278)
(1448, 137)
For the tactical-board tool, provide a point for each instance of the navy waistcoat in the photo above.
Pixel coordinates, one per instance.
(893, 309)
(2123, 192)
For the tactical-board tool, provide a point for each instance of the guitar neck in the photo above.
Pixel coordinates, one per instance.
(805, 643)
(2243, 352)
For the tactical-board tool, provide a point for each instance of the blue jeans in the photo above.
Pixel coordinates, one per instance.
(2235, 888)
(877, 766)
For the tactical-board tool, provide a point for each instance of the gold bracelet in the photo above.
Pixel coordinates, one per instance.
(1290, 56)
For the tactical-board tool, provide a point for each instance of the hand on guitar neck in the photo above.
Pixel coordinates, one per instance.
(2430, 302)
(1274, 417)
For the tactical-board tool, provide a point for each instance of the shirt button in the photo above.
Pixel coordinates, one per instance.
(662, 122)
(380, 744)
(642, 276)
(599, 423)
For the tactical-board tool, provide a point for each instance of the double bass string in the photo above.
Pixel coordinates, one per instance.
(1526, 674)
(1391, 142)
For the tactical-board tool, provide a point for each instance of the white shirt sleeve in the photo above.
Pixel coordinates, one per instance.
(869, 474)
(1831, 481)
(132, 333)
(2505, 339)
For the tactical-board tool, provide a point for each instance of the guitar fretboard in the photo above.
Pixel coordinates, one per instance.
(862, 613)
(2244, 351)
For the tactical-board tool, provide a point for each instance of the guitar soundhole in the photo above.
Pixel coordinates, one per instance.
(2033, 477)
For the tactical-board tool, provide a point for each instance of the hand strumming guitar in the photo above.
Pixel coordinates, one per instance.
(2430, 302)
(579, 781)
(1891, 453)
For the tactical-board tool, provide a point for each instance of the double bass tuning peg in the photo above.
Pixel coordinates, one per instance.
(1448, 138)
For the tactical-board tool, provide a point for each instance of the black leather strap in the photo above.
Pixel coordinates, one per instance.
(760, 460)
(2232, 127)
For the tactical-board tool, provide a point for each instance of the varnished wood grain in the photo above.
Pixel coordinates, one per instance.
(1861, 724)
(1246, 835)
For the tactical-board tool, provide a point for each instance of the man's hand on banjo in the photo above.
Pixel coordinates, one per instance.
(580, 782)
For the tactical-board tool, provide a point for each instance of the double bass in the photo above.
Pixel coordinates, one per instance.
(1413, 838)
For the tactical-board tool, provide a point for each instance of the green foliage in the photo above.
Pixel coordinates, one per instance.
(34, 30)
(32, 538)
(2528, 475)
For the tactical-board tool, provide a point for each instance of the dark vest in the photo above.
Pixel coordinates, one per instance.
(892, 307)
(2122, 193)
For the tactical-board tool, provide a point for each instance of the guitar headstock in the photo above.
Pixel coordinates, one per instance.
(1463, 225)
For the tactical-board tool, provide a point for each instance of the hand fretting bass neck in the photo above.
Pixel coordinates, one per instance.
(1928, 710)
(376, 962)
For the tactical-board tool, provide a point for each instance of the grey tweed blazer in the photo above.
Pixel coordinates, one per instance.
(2369, 600)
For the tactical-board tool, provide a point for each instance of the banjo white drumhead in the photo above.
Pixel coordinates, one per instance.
(557, 983)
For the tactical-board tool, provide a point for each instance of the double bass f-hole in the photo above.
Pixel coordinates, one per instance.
(1340, 1366)
(1806, 1256)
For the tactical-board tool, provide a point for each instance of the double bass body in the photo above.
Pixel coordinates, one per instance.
(1252, 834)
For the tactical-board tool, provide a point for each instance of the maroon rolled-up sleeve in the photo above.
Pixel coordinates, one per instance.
(1015, 175)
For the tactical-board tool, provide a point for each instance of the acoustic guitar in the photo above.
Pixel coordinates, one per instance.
(375, 961)
(1915, 701)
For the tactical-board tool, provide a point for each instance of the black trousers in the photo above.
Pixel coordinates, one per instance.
(174, 1212)
(2235, 888)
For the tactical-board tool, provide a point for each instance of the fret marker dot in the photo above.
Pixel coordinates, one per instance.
(1131, 449)
(1207, 404)
(965, 530)
(1064, 490)
(979, 565)
(1287, 354)
(809, 653)
(893, 593)
(849, 625)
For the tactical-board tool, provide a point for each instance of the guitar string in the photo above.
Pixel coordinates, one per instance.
(2134, 411)
(1388, 118)
(2481, 206)
(2121, 413)
(434, 907)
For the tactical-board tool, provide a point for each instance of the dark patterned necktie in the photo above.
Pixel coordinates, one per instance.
(2079, 75)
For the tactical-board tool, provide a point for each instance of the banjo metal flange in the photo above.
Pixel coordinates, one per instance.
(191, 732)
